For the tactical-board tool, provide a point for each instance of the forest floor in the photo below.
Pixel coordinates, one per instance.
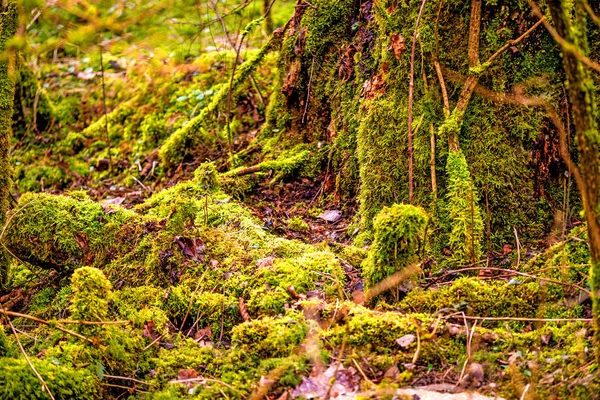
(249, 285)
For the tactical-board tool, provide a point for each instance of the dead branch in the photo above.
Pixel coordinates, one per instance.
(411, 89)
(516, 41)
(56, 324)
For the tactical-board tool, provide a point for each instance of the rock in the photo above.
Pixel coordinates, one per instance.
(332, 216)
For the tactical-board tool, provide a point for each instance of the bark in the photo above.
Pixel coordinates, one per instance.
(8, 28)
(582, 96)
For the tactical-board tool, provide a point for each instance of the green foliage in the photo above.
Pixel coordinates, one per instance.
(398, 235)
(466, 224)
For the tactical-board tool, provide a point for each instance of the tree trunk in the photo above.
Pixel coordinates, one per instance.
(583, 100)
(8, 24)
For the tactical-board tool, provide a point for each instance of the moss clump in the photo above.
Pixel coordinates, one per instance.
(466, 224)
(91, 293)
(399, 231)
(17, 381)
(297, 224)
(64, 232)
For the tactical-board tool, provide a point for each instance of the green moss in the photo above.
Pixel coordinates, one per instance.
(17, 381)
(8, 76)
(479, 298)
(466, 224)
(173, 149)
(297, 224)
(399, 231)
(91, 293)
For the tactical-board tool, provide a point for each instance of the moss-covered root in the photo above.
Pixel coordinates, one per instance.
(64, 233)
(464, 216)
(173, 150)
(8, 28)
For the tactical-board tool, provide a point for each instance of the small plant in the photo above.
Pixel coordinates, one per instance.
(398, 234)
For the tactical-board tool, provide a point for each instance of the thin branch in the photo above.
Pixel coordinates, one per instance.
(105, 111)
(593, 15)
(469, 317)
(516, 41)
(52, 324)
(411, 90)
(438, 70)
(510, 271)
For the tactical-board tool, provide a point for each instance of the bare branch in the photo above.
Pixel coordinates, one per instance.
(411, 89)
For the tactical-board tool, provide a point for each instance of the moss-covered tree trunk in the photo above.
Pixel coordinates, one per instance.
(571, 24)
(8, 28)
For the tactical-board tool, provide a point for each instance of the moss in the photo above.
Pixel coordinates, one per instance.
(31, 98)
(17, 381)
(382, 174)
(479, 298)
(8, 76)
(466, 224)
(399, 233)
(173, 149)
(91, 293)
(297, 224)
(5, 349)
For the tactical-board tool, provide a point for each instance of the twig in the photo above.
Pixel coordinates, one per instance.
(312, 67)
(363, 373)
(126, 378)
(105, 111)
(203, 380)
(516, 41)
(525, 391)
(392, 281)
(192, 299)
(593, 15)
(124, 387)
(411, 90)
(51, 324)
(416, 356)
(518, 246)
(154, 341)
(469, 317)
(37, 374)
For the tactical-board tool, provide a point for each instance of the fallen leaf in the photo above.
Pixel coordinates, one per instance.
(320, 386)
(397, 45)
(546, 338)
(192, 248)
